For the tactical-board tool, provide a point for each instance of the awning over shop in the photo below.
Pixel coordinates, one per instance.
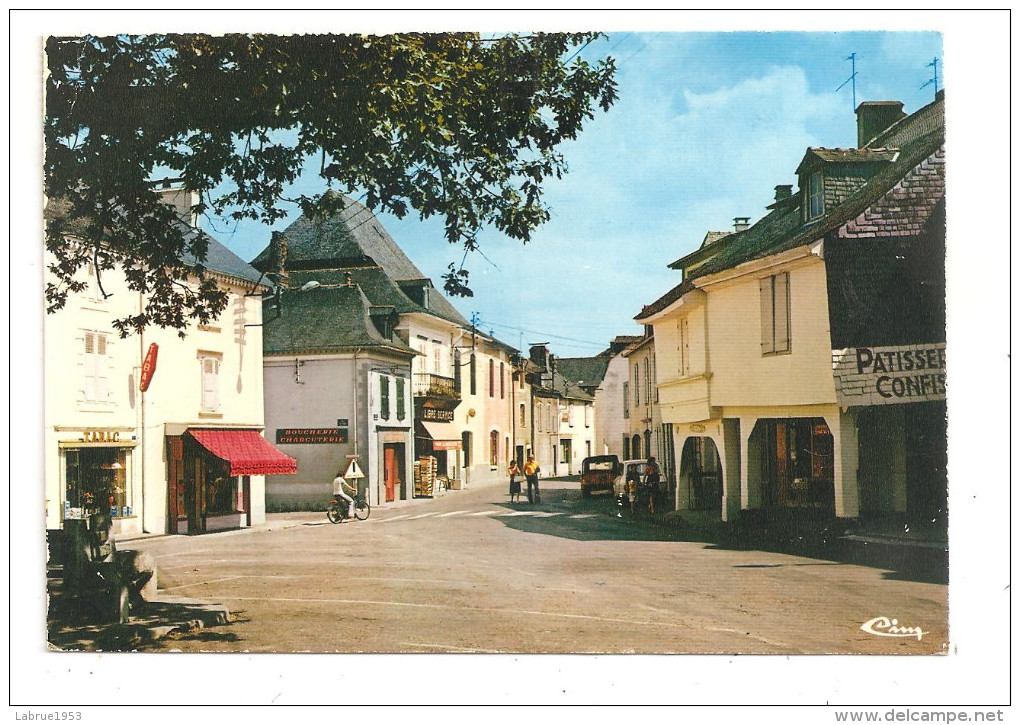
(444, 436)
(248, 453)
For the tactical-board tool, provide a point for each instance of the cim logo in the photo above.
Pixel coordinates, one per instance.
(885, 627)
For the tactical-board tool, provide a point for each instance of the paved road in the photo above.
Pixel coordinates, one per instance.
(469, 572)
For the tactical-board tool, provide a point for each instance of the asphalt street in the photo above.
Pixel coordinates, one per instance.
(471, 572)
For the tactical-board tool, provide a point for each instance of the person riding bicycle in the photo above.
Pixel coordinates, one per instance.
(344, 490)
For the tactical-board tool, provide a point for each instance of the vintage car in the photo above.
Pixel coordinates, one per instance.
(597, 474)
(632, 469)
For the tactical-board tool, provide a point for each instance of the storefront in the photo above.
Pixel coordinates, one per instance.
(798, 463)
(439, 444)
(97, 473)
(209, 475)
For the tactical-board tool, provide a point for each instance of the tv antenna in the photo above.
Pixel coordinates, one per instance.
(852, 80)
(934, 80)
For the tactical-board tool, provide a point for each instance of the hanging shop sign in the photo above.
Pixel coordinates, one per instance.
(890, 375)
(436, 414)
(311, 435)
(148, 367)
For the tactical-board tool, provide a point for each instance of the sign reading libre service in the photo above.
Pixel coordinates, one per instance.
(311, 435)
(890, 375)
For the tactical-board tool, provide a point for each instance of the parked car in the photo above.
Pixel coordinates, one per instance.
(634, 468)
(598, 473)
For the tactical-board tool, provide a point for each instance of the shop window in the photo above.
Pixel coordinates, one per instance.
(210, 381)
(401, 411)
(775, 313)
(220, 492)
(96, 381)
(96, 478)
(384, 397)
(493, 449)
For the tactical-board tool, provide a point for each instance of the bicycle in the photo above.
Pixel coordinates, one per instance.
(339, 509)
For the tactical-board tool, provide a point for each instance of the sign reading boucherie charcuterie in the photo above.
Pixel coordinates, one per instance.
(890, 375)
(311, 435)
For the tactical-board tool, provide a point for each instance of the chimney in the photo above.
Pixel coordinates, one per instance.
(279, 243)
(741, 223)
(539, 354)
(173, 193)
(874, 117)
(783, 191)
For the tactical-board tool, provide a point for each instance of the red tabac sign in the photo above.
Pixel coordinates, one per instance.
(148, 367)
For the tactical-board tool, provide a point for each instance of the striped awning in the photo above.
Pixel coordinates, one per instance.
(247, 452)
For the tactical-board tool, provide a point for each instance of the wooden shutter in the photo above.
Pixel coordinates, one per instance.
(210, 384)
(102, 369)
(767, 318)
(782, 312)
(89, 380)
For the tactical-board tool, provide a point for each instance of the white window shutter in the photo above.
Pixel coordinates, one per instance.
(90, 367)
(102, 370)
(767, 311)
(782, 312)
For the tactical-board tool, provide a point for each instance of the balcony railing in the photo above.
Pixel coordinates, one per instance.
(427, 385)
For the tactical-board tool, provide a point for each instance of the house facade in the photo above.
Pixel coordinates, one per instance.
(166, 431)
(802, 359)
(564, 418)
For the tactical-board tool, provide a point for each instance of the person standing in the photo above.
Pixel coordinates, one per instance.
(531, 471)
(341, 488)
(515, 484)
(652, 477)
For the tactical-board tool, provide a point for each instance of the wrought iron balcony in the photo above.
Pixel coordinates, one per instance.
(427, 385)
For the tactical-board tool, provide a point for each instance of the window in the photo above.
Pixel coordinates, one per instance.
(457, 379)
(648, 381)
(626, 400)
(384, 397)
(655, 378)
(210, 382)
(502, 381)
(492, 378)
(494, 449)
(437, 361)
(587, 416)
(96, 382)
(637, 385)
(401, 411)
(539, 419)
(775, 313)
(549, 415)
(815, 196)
(685, 348)
(474, 375)
(523, 416)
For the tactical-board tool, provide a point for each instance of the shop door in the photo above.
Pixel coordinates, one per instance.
(391, 472)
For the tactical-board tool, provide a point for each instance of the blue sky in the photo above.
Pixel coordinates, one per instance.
(707, 124)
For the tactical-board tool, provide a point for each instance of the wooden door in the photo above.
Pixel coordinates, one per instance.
(391, 473)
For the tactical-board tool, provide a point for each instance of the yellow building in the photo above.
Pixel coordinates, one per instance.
(801, 361)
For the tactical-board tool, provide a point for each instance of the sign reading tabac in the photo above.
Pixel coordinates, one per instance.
(311, 435)
(890, 375)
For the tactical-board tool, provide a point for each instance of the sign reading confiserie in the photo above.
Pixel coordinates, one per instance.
(890, 375)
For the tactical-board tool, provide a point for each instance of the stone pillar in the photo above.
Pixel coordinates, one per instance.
(897, 432)
(751, 455)
(683, 477)
(731, 453)
(843, 427)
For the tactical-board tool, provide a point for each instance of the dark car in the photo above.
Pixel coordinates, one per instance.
(598, 473)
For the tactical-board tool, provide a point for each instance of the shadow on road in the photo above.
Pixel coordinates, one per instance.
(599, 518)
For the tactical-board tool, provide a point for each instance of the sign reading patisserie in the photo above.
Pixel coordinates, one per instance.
(890, 375)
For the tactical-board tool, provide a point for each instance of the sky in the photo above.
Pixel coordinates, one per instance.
(706, 125)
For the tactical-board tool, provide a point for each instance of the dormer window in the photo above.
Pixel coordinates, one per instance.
(815, 196)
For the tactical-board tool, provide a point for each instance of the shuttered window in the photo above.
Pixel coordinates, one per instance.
(96, 382)
(210, 383)
(685, 348)
(401, 412)
(384, 397)
(775, 313)
(816, 196)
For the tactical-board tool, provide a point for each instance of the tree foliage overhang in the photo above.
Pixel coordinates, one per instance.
(452, 124)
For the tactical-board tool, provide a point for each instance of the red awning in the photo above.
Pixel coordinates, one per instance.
(248, 453)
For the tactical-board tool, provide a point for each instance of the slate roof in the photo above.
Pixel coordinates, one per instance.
(587, 372)
(847, 156)
(562, 388)
(324, 319)
(218, 257)
(354, 240)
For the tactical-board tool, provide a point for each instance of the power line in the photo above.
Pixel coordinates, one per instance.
(513, 328)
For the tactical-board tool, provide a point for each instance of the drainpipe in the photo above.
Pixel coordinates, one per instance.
(141, 404)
